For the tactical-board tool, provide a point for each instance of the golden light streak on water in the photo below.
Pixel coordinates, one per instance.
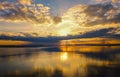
(64, 56)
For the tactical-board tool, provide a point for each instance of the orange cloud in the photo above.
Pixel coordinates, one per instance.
(115, 1)
(25, 2)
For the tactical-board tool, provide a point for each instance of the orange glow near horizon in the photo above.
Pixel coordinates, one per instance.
(11, 42)
(85, 45)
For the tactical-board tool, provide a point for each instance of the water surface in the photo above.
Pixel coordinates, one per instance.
(60, 61)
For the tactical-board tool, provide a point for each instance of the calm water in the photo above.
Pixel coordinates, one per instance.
(62, 61)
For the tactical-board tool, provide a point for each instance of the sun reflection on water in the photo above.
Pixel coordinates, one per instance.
(64, 56)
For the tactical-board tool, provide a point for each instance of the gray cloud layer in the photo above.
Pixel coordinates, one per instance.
(104, 13)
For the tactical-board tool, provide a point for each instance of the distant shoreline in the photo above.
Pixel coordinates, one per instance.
(19, 46)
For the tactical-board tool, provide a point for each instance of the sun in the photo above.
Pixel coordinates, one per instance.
(64, 32)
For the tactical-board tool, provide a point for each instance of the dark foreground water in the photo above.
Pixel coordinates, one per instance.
(62, 61)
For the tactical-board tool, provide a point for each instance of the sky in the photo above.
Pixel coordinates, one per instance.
(77, 17)
(60, 6)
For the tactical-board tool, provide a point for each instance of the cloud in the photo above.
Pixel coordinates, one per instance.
(94, 17)
(114, 1)
(33, 37)
(24, 11)
(100, 1)
(25, 2)
(103, 13)
(19, 34)
(100, 14)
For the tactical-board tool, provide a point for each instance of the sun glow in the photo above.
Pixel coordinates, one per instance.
(64, 32)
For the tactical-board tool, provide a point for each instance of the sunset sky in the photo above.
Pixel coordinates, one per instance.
(59, 38)
(23, 18)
